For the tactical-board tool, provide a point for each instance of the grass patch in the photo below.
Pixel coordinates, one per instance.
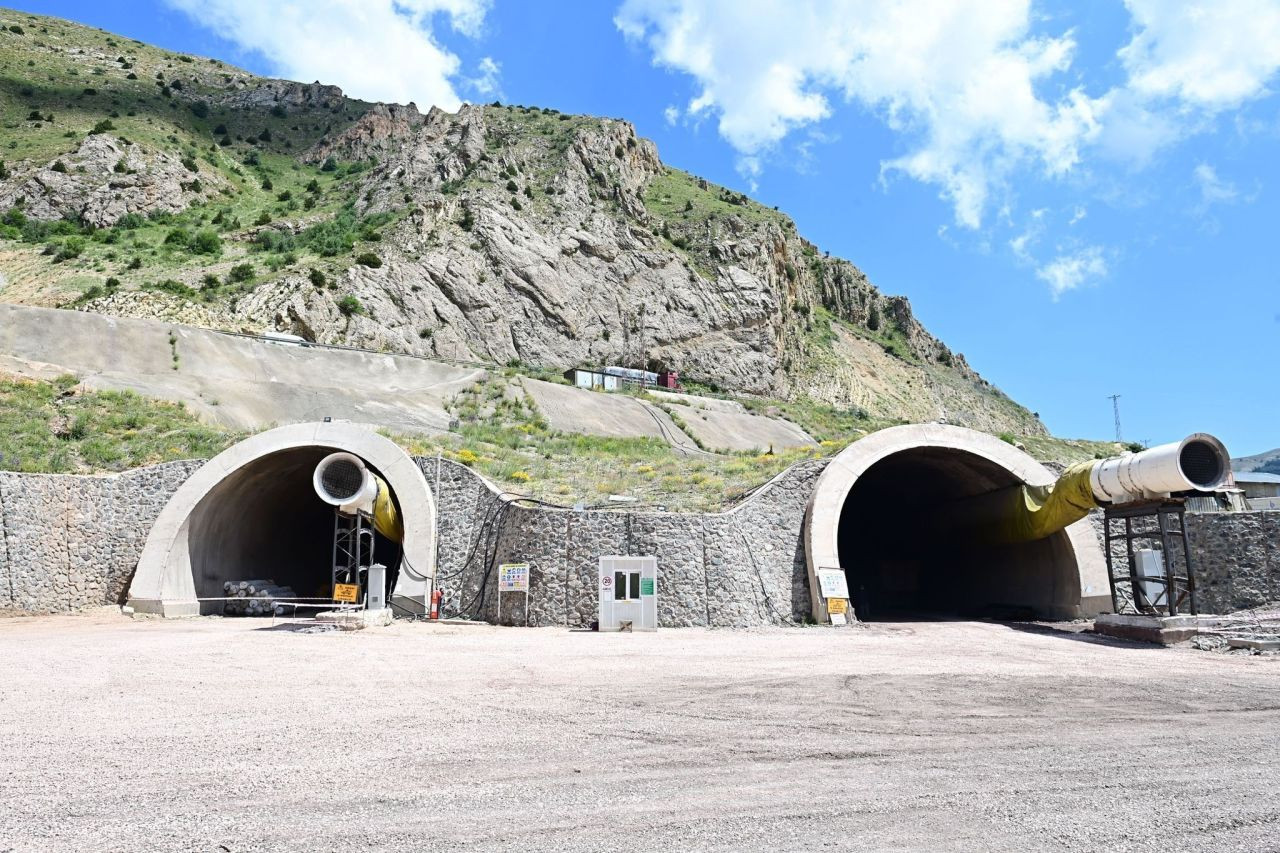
(58, 427)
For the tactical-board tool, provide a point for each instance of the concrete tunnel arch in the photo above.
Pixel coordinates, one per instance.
(873, 502)
(256, 496)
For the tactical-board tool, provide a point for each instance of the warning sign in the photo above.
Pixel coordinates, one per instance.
(347, 592)
(831, 583)
(837, 605)
(513, 577)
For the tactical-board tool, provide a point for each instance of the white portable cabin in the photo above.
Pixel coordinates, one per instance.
(592, 379)
(628, 593)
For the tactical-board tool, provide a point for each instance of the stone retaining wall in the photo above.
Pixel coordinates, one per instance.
(69, 543)
(737, 568)
(1237, 559)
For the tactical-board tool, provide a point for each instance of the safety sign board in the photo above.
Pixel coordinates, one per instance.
(513, 577)
(832, 584)
(646, 586)
(347, 592)
(837, 605)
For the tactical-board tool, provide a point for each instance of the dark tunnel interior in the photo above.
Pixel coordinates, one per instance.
(902, 563)
(266, 521)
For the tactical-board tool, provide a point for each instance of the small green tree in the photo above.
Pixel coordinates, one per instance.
(349, 305)
(368, 259)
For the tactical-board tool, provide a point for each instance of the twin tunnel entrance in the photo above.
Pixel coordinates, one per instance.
(879, 512)
(884, 513)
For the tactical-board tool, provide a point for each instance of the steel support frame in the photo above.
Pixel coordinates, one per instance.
(352, 547)
(1178, 589)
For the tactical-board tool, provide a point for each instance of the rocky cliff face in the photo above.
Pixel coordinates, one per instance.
(562, 241)
(503, 234)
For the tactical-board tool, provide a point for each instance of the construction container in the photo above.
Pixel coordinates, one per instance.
(628, 593)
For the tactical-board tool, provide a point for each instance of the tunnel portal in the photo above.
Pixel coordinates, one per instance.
(902, 560)
(252, 512)
(266, 521)
(887, 511)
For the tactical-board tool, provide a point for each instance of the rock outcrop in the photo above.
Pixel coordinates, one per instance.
(107, 178)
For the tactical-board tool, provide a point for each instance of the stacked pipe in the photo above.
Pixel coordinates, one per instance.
(254, 597)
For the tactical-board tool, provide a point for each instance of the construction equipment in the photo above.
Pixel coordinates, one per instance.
(344, 481)
(358, 496)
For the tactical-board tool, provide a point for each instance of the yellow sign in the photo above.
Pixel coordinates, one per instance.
(837, 605)
(348, 592)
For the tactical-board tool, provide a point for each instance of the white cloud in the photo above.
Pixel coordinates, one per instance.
(1022, 244)
(974, 94)
(1212, 55)
(1073, 269)
(671, 115)
(485, 84)
(959, 78)
(381, 50)
(1213, 189)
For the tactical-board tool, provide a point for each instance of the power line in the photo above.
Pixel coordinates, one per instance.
(1115, 407)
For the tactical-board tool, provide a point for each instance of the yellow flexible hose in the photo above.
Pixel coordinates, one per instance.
(386, 519)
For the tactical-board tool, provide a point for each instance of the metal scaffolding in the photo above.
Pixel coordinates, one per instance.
(352, 547)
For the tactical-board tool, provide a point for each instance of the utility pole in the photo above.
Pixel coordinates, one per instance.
(1115, 407)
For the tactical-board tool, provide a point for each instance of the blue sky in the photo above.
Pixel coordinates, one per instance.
(1082, 198)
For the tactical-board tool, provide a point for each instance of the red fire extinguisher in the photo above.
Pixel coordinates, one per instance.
(435, 603)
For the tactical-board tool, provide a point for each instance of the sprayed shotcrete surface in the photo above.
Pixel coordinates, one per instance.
(219, 734)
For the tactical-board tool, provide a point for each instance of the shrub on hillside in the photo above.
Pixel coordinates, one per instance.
(207, 242)
(69, 248)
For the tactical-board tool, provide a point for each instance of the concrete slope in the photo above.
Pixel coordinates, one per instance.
(243, 383)
(598, 413)
(727, 425)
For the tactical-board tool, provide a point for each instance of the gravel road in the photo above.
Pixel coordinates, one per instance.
(224, 735)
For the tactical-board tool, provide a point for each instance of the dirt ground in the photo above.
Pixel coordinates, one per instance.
(225, 735)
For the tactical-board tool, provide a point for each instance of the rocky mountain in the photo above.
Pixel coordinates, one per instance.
(146, 183)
